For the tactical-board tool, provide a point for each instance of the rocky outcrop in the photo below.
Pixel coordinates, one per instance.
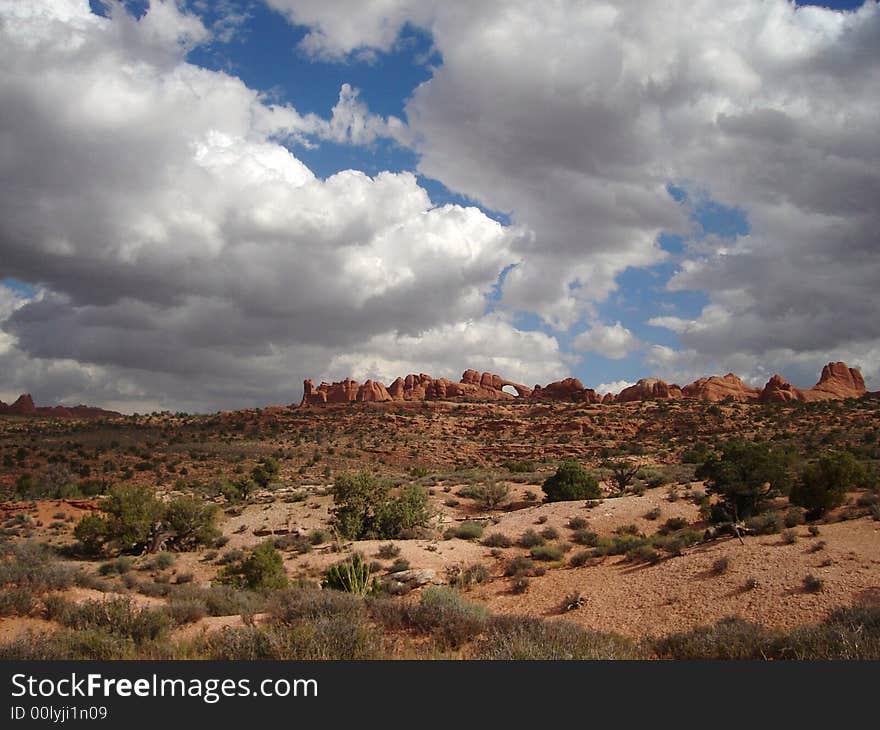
(649, 389)
(24, 406)
(372, 392)
(716, 388)
(570, 389)
(472, 386)
(779, 390)
(836, 382)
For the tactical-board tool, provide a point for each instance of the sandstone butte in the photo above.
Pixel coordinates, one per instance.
(837, 381)
(24, 406)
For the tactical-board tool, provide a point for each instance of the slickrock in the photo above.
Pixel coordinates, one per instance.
(717, 388)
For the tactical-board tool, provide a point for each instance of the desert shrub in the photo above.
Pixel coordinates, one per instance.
(319, 537)
(672, 525)
(745, 477)
(585, 537)
(497, 540)
(812, 584)
(823, 484)
(131, 510)
(322, 639)
(519, 566)
(642, 553)
(490, 495)
(399, 565)
(653, 514)
(621, 473)
(69, 644)
(580, 558)
(186, 610)
(120, 565)
(793, 518)
(571, 482)
(293, 541)
(266, 471)
(629, 529)
(220, 600)
(450, 619)
(388, 551)
(465, 531)
(350, 576)
(550, 533)
(652, 477)
(530, 539)
(519, 585)
(520, 638)
(192, 521)
(116, 616)
(262, 569)
(766, 524)
(789, 537)
(473, 574)
(577, 523)
(297, 604)
(730, 638)
(238, 490)
(519, 467)
(27, 571)
(546, 552)
(162, 561)
(847, 633)
(366, 509)
(91, 532)
(721, 565)
(675, 544)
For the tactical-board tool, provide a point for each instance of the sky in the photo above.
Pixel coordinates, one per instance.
(203, 203)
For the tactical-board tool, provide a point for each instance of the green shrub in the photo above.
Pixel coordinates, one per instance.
(745, 477)
(730, 638)
(585, 537)
(450, 619)
(546, 552)
(115, 616)
(823, 485)
(465, 531)
(571, 482)
(192, 521)
(263, 569)
(520, 467)
(350, 576)
(388, 551)
(530, 539)
(497, 540)
(519, 638)
(366, 509)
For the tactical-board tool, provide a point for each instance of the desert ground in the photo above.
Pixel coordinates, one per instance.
(514, 555)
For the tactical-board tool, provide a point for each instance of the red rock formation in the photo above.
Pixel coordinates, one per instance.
(569, 389)
(649, 389)
(717, 388)
(24, 406)
(473, 386)
(372, 392)
(837, 381)
(779, 390)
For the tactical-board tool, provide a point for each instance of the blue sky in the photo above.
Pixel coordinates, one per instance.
(655, 216)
